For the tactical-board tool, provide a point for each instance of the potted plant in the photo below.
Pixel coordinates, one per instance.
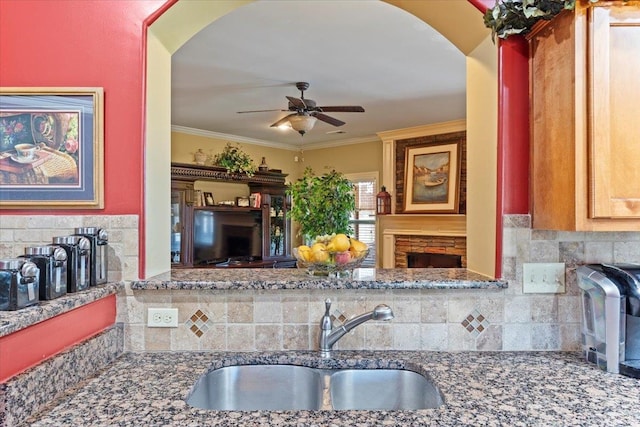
(234, 160)
(510, 17)
(321, 204)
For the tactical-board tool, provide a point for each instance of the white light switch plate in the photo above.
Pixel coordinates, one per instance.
(543, 278)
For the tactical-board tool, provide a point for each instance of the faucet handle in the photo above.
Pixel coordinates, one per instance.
(326, 324)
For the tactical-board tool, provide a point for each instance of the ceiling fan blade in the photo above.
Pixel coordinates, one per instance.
(283, 120)
(342, 109)
(328, 119)
(296, 102)
(259, 111)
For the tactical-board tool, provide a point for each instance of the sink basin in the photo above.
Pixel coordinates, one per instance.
(288, 388)
(388, 389)
(256, 387)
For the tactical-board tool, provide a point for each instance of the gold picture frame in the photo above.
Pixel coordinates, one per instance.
(64, 130)
(432, 178)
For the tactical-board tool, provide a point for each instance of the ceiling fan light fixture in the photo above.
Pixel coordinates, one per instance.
(302, 123)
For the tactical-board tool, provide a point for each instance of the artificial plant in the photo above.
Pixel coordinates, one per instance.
(510, 17)
(321, 204)
(235, 160)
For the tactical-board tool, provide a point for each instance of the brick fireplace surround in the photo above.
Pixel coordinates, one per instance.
(449, 245)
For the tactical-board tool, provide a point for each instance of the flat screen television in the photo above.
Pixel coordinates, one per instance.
(220, 236)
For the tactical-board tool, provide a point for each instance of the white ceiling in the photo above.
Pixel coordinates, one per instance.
(361, 52)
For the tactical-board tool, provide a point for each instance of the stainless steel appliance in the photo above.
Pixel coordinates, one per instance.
(78, 251)
(99, 239)
(611, 316)
(19, 284)
(52, 263)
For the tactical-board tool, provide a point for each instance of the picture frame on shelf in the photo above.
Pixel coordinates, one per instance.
(243, 202)
(432, 178)
(255, 200)
(208, 199)
(52, 148)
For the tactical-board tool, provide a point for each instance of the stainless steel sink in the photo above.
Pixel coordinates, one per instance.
(288, 387)
(387, 389)
(255, 387)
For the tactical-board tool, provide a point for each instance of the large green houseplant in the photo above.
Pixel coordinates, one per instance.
(321, 204)
(510, 17)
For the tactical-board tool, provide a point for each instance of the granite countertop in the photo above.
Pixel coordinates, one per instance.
(514, 389)
(291, 278)
(12, 321)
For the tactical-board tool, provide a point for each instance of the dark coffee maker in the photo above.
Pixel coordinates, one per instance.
(78, 251)
(99, 239)
(52, 263)
(19, 284)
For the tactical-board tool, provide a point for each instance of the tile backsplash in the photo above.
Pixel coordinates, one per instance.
(439, 320)
(442, 320)
(20, 231)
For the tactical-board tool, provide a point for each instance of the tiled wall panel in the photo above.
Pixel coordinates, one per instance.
(439, 320)
(20, 231)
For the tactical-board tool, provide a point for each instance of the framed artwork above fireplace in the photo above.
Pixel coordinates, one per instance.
(432, 177)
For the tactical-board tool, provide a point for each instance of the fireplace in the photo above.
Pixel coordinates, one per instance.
(433, 260)
(414, 251)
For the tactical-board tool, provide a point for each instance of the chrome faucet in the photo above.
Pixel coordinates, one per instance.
(329, 336)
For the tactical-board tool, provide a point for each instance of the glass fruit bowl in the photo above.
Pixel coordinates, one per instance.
(326, 263)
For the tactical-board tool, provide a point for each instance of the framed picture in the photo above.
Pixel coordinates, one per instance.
(431, 178)
(208, 199)
(51, 148)
(243, 202)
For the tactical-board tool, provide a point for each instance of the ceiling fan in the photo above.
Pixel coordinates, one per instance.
(306, 112)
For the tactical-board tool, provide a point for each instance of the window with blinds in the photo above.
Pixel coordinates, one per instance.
(363, 220)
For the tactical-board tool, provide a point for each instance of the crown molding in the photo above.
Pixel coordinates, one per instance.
(233, 138)
(417, 131)
(340, 143)
(273, 144)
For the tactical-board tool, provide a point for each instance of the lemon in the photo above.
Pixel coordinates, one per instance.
(319, 253)
(304, 252)
(357, 248)
(320, 256)
(339, 243)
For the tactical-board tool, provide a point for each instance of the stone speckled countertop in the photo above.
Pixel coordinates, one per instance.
(291, 278)
(480, 389)
(12, 321)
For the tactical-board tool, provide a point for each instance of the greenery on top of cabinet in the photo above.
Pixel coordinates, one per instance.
(510, 17)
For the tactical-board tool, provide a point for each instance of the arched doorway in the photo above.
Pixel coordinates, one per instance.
(184, 19)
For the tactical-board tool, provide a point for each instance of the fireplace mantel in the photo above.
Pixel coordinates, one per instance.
(391, 226)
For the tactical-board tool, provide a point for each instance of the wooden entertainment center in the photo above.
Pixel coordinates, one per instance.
(275, 225)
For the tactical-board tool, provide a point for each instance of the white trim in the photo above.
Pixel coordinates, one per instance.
(417, 131)
(273, 144)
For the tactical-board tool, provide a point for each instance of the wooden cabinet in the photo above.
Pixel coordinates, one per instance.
(181, 223)
(274, 209)
(585, 118)
(276, 224)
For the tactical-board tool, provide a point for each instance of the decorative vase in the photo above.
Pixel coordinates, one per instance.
(200, 157)
(263, 166)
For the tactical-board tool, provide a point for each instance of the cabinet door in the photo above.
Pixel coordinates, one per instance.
(181, 201)
(277, 226)
(615, 112)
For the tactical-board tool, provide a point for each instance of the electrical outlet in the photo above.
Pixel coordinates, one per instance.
(162, 317)
(543, 278)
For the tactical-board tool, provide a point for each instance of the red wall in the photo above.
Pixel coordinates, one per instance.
(80, 44)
